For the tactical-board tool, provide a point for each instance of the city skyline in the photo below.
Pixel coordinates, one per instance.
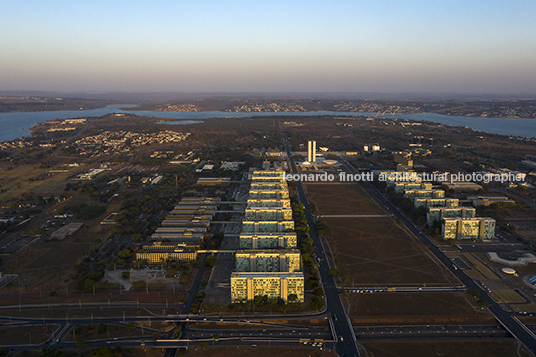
(237, 46)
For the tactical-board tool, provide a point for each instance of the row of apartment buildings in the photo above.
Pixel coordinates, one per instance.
(267, 263)
(457, 222)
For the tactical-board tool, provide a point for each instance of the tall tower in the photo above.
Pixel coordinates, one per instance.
(311, 151)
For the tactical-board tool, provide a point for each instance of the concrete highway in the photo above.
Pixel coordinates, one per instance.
(507, 320)
(346, 345)
(430, 331)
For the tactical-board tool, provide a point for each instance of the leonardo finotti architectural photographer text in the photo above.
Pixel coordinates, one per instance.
(407, 176)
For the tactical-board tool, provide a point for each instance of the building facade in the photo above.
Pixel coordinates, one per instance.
(468, 228)
(436, 214)
(286, 240)
(267, 260)
(412, 194)
(436, 202)
(286, 286)
(258, 226)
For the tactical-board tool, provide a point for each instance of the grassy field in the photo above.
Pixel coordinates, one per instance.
(446, 348)
(414, 308)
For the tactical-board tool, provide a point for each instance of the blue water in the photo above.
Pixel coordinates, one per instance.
(15, 125)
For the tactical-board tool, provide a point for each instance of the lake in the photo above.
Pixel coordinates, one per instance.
(16, 125)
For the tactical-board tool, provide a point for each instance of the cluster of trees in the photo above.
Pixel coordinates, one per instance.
(305, 244)
(216, 240)
(128, 220)
(84, 211)
(197, 302)
(407, 206)
(90, 280)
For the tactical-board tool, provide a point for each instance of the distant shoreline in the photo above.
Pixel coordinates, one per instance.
(13, 122)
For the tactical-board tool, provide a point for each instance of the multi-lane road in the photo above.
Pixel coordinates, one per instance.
(346, 345)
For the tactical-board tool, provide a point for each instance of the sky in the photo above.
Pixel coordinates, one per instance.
(386, 46)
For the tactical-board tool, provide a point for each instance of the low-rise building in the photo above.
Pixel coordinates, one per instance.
(161, 252)
(489, 200)
(462, 186)
(190, 237)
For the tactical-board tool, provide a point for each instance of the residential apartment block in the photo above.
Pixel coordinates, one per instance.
(436, 214)
(283, 203)
(436, 202)
(268, 213)
(267, 260)
(267, 226)
(412, 194)
(400, 187)
(286, 286)
(468, 228)
(267, 240)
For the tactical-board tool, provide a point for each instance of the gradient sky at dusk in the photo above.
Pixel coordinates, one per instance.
(287, 46)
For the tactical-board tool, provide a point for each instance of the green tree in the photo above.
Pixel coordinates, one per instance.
(334, 271)
(124, 254)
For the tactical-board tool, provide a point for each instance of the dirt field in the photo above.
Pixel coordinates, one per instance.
(49, 265)
(414, 308)
(446, 348)
(258, 352)
(507, 296)
(372, 251)
(26, 334)
(91, 332)
(378, 252)
(339, 199)
(16, 181)
(86, 352)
